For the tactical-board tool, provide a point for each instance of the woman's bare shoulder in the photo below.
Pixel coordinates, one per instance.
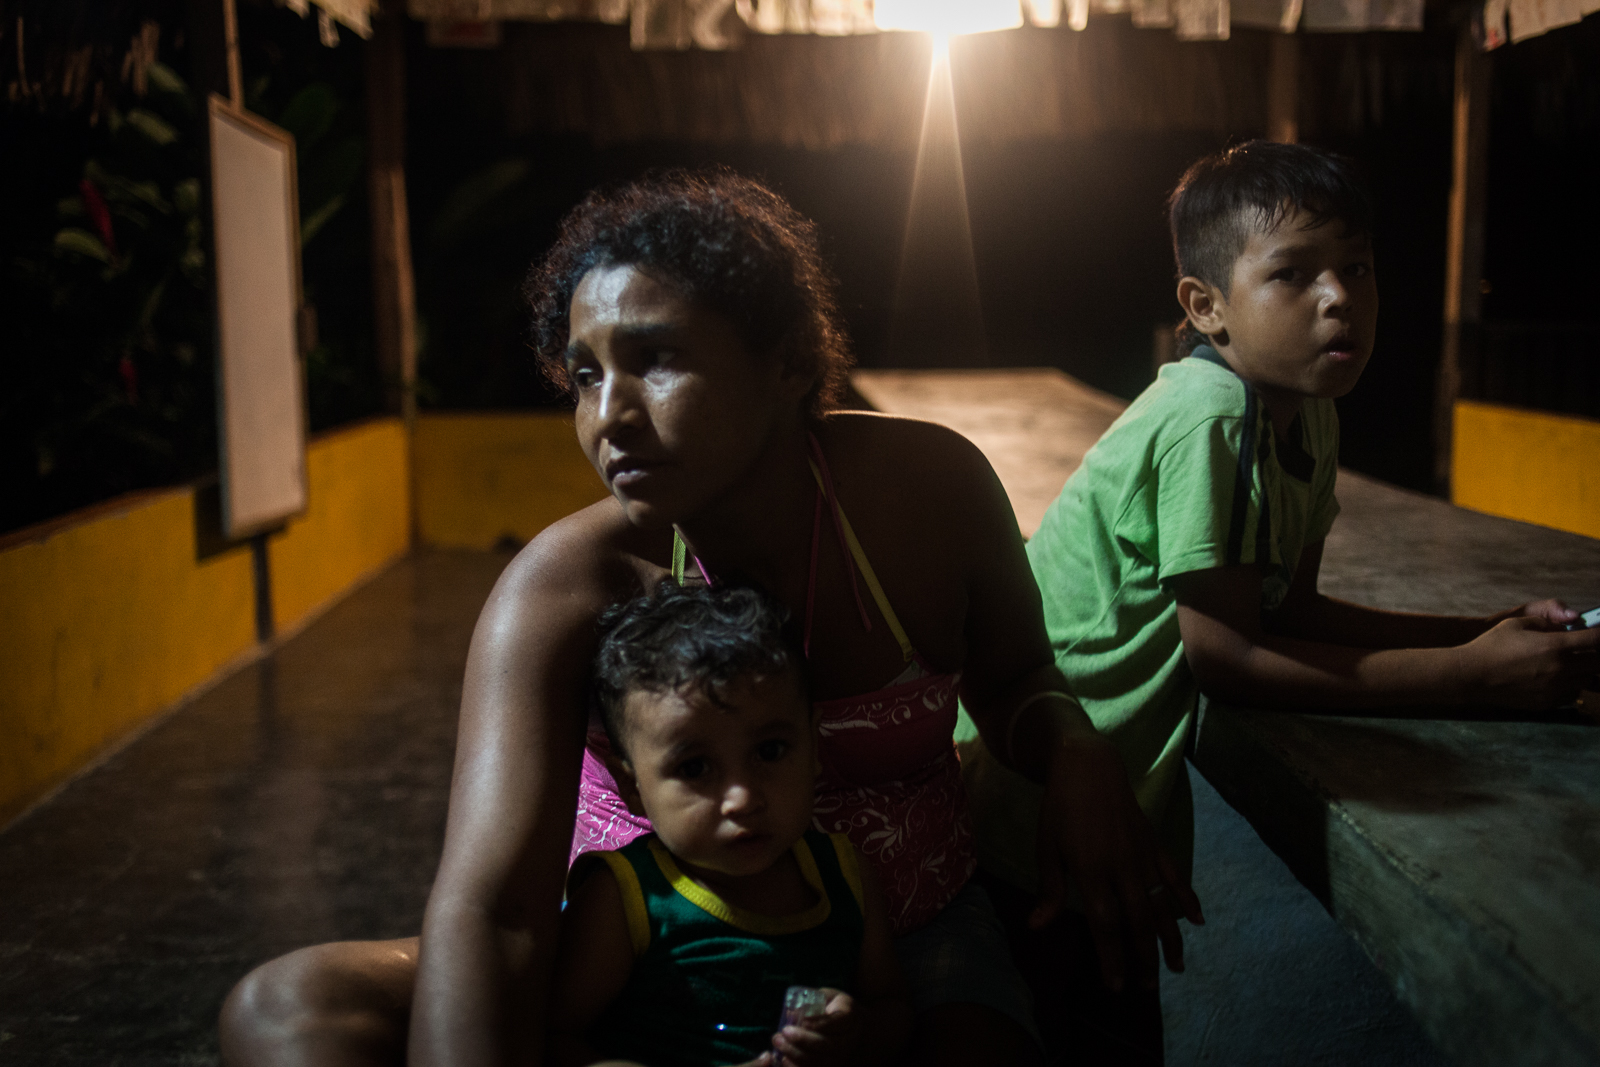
(912, 452)
(586, 560)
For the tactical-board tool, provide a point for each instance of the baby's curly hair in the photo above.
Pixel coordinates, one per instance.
(695, 637)
(728, 243)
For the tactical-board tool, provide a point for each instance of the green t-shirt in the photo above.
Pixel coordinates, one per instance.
(1189, 478)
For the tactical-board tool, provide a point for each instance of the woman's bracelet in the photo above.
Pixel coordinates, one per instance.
(1016, 715)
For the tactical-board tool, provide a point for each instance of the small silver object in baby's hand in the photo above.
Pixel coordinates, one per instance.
(801, 1004)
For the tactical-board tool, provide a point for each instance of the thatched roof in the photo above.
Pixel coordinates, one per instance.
(817, 92)
(84, 53)
(79, 52)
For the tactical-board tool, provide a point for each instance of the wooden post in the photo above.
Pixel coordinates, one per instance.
(393, 292)
(213, 27)
(230, 31)
(1283, 88)
(1463, 270)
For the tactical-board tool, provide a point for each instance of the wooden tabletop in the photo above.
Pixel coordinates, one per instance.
(1034, 424)
(1462, 852)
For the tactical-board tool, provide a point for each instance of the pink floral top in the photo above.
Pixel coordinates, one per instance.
(891, 780)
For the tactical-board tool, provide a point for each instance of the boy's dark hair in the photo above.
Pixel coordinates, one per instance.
(1223, 198)
(699, 637)
(726, 242)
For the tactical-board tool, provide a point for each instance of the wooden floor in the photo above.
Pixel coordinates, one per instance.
(1462, 852)
(300, 800)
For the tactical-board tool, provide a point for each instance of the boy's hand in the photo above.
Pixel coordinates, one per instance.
(1091, 828)
(1555, 611)
(826, 1041)
(1524, 662)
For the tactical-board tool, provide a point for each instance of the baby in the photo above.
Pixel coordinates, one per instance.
(678, 948)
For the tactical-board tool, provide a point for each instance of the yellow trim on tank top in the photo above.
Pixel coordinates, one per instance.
(873, 586)
(632, 899)
(680, 568)
(766, 925)
(680, 557)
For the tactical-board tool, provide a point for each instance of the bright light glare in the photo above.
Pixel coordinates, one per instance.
(945, 18)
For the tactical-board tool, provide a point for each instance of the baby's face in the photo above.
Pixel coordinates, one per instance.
(728, 788)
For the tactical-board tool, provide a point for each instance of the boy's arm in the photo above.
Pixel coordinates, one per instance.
(593, 960)
(1323, 653)
(1308, 614)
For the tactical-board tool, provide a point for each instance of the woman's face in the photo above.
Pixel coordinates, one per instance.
(673, 410)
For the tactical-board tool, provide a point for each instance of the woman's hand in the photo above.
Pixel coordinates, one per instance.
(828, 1040)
(1091, 830)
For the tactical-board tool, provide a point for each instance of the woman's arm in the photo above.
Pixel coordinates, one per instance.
(1091, 828)
(489, 934)
(881, 994)
(592, 966)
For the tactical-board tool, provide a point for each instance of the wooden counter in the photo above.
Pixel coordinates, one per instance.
(1462, 853)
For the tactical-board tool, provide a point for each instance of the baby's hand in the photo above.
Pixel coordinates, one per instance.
(829, 1040)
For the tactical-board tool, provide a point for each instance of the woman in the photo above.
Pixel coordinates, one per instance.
(695, 324)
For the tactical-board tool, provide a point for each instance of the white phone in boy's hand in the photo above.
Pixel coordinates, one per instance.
(1587, 620)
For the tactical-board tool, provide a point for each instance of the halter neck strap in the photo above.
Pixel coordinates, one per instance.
(854, 557)
(680, 559)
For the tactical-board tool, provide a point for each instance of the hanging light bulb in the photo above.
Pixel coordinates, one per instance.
(945, 18)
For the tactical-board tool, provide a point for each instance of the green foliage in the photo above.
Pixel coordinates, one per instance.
(330, 167)
(481, 202)
(341, 374)
(153, 127)
(83, 243)
(109, 370)
(109, 355)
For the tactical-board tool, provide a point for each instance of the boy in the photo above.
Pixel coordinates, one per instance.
(677, 948)
(1182, 556)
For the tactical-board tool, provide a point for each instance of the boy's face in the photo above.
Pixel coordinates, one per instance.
(1301, 312)
(728, 789)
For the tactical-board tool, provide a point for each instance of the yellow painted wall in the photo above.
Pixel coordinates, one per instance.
(108, 616)
(102, 624)
(482, 478)
(1529, 465)
(357, 521)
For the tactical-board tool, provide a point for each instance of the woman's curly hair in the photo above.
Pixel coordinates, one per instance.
(728, 243)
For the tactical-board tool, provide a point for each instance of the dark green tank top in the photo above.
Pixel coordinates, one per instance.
(708, 978)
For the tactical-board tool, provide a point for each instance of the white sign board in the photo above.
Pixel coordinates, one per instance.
(261, 406)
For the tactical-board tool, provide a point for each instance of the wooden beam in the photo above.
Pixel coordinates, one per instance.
(393, 289)
(1283, 88)
(1463, 270)
(230, 30)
